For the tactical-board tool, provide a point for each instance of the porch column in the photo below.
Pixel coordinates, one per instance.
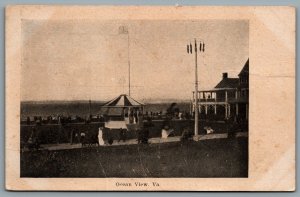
(200, 108)
(129, 111)
(193, 96)
(229, 110)
(215, 109)
(206, 109)
(237, 109)
(225, 111)
(226, 96)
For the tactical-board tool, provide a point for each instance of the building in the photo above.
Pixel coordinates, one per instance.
(229, 98)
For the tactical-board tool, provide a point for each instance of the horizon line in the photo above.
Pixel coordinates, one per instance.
(87, 100)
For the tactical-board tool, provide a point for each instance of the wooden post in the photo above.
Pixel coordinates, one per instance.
(71, 136)
(247, 111)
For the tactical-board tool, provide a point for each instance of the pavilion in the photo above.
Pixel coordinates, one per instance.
(123, 112)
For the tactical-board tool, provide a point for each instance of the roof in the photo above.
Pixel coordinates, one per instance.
(228, 83)
(123, 101)
(245, 69)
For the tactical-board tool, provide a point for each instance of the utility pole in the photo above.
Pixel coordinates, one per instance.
(190, 51)
(90, 108)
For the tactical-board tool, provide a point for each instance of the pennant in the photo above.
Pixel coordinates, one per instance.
(187, 49)
(203, 47)
(200, 46)
(191, 48)
(195, 45)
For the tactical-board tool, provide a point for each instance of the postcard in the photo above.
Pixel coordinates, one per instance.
(141, 98)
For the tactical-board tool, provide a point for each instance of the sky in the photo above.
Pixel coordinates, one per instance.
(88, 59)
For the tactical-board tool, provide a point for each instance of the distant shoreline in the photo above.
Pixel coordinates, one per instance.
(83, 108)
(166, 101)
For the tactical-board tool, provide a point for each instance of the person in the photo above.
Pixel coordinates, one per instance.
(140, 135)
(145, 136)
(135, 117)
(76, 138)
(131, 118)
(110, 140)
(209, 130)
(186, 135)
(122, 135)
(233, 129)
(82, 137)
(95, 140)
(166, 132)
(100, 136)
(33, 141)
(28, 120)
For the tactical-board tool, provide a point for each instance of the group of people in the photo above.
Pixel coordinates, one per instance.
(100, 139)
(89, 139)
(60, 119)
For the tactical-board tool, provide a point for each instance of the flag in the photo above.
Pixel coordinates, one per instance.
(123, 30)
(191, 48)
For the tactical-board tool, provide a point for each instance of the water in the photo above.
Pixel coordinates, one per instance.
(82, 109)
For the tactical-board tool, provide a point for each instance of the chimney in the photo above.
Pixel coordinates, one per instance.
(225, 75)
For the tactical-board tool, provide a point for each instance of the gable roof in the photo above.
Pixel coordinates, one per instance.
(228, 83)
(245, 69)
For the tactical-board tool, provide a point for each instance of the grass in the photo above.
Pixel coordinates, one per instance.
(210, 158)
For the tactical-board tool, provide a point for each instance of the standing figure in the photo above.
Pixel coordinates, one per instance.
(77, 139)
(100, 136)
(165, 132)
(145, 137)
(82, 138)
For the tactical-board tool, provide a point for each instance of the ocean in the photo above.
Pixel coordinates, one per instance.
(82, 108)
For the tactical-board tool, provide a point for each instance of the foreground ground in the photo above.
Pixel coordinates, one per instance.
(207, 158)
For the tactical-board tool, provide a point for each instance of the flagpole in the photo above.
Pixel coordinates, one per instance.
(128, 64)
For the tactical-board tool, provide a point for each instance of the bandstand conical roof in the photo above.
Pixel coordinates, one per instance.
(123, 101)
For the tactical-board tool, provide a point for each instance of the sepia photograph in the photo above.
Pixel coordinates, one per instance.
(134, 98)
(139, 101)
